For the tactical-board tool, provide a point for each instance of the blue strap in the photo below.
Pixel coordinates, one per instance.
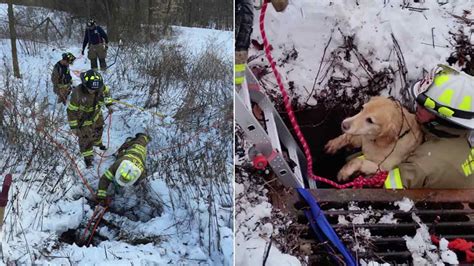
(320, 235)
(322, 226)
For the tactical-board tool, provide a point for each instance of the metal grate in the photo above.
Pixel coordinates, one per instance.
(450, 213)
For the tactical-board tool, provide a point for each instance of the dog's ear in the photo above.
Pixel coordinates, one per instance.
(389, 133)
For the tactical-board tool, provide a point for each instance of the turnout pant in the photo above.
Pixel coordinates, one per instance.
(89, 137)
(97, 51)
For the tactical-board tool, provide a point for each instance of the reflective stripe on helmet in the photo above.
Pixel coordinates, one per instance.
(394, 180)
(445, 111)
(465, 104)
(429, 103)
(441, 79)
(446, 96)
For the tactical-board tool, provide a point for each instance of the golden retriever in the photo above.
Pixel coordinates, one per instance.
(386, 132)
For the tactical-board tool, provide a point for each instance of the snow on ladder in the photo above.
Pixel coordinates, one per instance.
(271, 137)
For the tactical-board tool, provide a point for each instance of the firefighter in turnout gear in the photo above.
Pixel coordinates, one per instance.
(98, 41)
(445, 160)
(129, 166)
(61, 77)
(243, 31)
(85, 114)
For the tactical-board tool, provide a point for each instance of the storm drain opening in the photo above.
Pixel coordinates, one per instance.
(375, 224)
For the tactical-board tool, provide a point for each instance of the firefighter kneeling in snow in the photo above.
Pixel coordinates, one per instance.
(445, 160)
(129, 166)
(85, 114)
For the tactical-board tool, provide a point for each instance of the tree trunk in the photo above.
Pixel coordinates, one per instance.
(150, 20)
(11, 25)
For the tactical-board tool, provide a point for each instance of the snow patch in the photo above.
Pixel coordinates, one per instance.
(388, 219)
(405, 204)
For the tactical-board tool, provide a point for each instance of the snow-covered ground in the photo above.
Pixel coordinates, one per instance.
(255, 228)
(154, 223)
(321, 45)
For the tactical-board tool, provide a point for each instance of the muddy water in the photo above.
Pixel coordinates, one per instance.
(319, 125)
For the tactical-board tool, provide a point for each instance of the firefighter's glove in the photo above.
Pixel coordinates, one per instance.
(106, 46)
(110, 109)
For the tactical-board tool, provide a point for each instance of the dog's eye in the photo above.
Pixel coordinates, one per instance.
(369, 120)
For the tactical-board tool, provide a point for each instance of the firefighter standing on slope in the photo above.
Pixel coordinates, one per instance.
(85, 114)
(445, 107)
(243, 31)
(98, 41)
(61, 77)
(129, 166)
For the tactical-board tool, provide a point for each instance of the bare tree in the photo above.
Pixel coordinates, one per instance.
(11, 25)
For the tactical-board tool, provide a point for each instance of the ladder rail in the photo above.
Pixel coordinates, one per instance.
(275, 139)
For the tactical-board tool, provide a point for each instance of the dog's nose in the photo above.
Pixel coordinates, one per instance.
(345, 125)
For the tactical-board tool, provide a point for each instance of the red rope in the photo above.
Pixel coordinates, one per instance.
(65, 151)
(375, 181)
(89, 224)
(459, 244)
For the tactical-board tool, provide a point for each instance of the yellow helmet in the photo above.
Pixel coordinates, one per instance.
(449, 94)
(127, 173)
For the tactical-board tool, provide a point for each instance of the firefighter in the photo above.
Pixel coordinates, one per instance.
(129, 166)
(85, 114)
(61, 77)
(446, 111)
(98, 41)
(243, 31)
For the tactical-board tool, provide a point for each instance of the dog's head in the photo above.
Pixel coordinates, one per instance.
(379, 118)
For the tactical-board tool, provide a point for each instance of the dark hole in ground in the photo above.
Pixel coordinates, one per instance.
(75, 236)
(319, 125)
(69, 236)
